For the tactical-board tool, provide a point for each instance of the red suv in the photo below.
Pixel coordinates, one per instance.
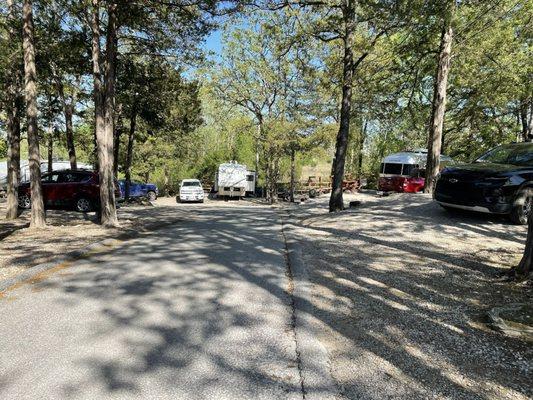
(79, 189)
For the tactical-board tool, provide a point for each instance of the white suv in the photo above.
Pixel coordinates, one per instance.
(191, 190)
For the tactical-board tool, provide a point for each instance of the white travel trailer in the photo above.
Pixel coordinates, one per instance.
(232, 180)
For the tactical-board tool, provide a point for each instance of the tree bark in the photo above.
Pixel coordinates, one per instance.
(69, 130)
(129, 155)
(166, 186)
(12, 107)
(336, 202)
(50, 149)
(104, 111)
(30, 77)
(526, 119)
(524, 270)
(257, 145)
(13, 159)
(361, 144)
(438, 106)
(116, 140)
(68, 112)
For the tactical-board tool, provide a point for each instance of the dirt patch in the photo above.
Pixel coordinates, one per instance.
(402, 289)
(66, 231)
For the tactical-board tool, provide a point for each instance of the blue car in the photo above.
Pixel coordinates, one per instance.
(148, 190)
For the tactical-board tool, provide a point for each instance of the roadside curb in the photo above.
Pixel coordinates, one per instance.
(91, 249)
(318, 384)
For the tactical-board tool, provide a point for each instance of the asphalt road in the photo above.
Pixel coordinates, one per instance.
(198, 310)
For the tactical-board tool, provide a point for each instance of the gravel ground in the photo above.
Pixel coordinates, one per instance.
(21, 247)
(401, 289)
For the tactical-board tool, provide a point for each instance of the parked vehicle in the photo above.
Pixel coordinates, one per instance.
(191, 190)
(405, 171)
(79, 189)
(57, 165)
(231, 180)
(137, 189)
(496, 183)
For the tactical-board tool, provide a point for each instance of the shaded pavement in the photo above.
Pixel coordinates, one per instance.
(197, 310)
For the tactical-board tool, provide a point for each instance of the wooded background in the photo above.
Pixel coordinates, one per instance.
(275, 92)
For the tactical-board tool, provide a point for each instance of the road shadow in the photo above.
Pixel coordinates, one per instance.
(395, 310)
(201, 303)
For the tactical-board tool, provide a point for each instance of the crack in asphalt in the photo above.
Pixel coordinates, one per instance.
(290, 291)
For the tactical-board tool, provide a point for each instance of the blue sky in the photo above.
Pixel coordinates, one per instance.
(214, 42)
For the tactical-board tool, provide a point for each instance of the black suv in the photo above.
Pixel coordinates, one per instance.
(499, 182)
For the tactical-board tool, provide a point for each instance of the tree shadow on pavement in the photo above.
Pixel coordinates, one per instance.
(203, 307)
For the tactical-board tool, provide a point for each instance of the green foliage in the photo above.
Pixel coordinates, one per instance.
(3, 148)
(276, 86)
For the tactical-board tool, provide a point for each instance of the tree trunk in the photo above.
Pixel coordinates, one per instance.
(30, 77)
(129, 155)
(165, 183)
(293, 173)
(257, 142)
(116, 141)
(526, 111)
(524, 270)
(438, 107)
(50, 149)
(12, 107)
(530, 123)
(272, 178)
(104, 112)
(68, 112)
(13, 158)
(361, 147)
(336, 202)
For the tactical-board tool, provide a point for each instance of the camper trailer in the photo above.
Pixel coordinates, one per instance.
(405, 171)
(232, 180)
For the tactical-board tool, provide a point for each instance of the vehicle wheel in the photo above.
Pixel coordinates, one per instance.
(151, 196)
(522, 207)
(313, 193)
(83, 205)
(24, 202)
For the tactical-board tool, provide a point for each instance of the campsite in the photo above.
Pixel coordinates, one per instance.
(269, 200)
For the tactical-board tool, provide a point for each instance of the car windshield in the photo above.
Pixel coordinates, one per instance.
(195, 184)
(509, 154)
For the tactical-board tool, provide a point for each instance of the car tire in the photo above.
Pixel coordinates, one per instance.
(313, 193)
(83, 205)
(24, 202)
(522, 207)
(151, 195)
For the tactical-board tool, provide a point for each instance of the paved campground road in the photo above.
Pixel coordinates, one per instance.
(197, 310)
(203, 308)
